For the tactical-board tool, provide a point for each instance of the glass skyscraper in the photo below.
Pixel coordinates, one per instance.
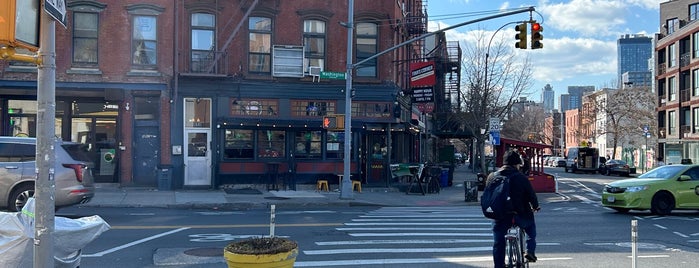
(633, 52)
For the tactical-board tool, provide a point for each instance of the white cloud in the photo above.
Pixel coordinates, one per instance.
(648, 4)
(505, 5)
(588, 17)
(565, 58)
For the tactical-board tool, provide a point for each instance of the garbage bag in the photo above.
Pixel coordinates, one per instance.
(69, 237)
(13, 241)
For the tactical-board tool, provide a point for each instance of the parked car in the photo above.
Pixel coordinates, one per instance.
(662, 190)
(560, 162)
(614, 166)
(73, 179)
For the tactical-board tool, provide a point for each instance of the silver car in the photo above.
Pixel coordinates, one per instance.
(73, 175)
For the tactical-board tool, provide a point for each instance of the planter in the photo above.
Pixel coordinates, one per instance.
(261, 253)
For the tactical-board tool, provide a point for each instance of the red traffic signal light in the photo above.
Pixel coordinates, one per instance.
(521, 36)
(329, 122)
(537, 36)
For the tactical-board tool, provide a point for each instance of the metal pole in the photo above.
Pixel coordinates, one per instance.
(634, 241)
(272, 221)
(44, 210)
(346, 189)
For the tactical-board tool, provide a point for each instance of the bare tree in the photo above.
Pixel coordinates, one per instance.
(623, 114)
(526, 123)
(493, 78)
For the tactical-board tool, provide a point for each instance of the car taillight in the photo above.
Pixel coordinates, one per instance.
(78, 169)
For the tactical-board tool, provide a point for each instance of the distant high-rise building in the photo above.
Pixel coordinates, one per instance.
(547, 98)
(633, 52)
(564, 102)
(575, 95)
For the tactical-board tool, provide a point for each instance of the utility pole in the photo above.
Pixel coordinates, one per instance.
(44, 192)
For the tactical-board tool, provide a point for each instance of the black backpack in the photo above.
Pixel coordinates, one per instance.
(495, 201)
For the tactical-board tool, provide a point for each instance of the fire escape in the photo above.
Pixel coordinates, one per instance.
(448, 115)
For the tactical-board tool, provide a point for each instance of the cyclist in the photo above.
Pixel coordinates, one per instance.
(524, 203)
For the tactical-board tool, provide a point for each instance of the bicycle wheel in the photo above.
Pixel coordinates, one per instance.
(522, 239)
(511, 252)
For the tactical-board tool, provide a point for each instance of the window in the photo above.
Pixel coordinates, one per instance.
(312, 108)
(371, 109)
(672, 55)
(197, 112)
(85, 38)
(314, 44)
(144, 40)
(307, 144)
(367, 35)
(260, 46)
(203, 26)
(256, 108)
(671, 88)
(695, 120)
(238, 144)
(671, 118)
(270, 143)
(335, 144)
(672, 25)
(287, 61)
(146, 108)
(693, 12)
(695, 82)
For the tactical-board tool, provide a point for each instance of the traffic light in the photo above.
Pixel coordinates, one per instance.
(20, 29)
(537, 36)
(521, 36)
(329, 122)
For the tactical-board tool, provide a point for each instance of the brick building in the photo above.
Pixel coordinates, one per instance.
(195, 94)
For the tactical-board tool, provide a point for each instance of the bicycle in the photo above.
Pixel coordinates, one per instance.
(514, 247)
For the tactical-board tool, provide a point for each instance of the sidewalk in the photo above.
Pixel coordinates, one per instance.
(110, 195)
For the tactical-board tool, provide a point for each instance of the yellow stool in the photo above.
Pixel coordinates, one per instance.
(322, 184)
(357, 185)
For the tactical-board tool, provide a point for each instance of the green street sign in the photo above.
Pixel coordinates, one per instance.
(332, 75)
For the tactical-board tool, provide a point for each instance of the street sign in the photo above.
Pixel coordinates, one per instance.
(494, 124)
(495, 137)
(57, 10)
(645, 129)
(332, 75)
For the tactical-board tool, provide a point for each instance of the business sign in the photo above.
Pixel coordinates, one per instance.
(422, 74)
(423, 94)
(425, 107)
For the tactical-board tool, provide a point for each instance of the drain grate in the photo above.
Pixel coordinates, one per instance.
(205, 252)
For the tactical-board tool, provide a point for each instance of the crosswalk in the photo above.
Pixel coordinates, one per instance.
(423, 236)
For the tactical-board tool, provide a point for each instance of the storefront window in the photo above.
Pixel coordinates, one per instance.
(270, 144)
(312, 108)
(308, 144)
(238, 144)
(335, 145)
(255, 108)
(371, 109)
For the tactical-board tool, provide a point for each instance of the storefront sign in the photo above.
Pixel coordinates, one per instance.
(423, 94)
(422, 74)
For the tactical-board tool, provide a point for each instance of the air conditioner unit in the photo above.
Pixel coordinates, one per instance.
(315, 72)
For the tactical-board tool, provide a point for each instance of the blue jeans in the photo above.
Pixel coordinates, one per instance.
(500, 230)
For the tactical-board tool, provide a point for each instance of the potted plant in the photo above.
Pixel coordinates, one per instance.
(261, 252)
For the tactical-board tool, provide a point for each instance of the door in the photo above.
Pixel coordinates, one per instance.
(197, 158)
(146, 155)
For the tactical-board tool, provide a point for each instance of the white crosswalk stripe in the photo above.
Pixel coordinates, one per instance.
(407, 235)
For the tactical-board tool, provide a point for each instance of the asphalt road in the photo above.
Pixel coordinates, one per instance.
(574, 232)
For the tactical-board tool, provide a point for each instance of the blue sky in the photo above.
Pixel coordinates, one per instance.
(579, 35)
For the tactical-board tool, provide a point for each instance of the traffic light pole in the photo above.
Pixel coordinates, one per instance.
(44, 211)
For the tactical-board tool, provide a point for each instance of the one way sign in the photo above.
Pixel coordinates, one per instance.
(57, 10)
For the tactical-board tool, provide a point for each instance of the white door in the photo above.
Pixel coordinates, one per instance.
(197, 161)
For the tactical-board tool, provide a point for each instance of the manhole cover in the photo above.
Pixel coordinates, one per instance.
(205, 252)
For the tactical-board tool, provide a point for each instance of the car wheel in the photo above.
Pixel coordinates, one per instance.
(663, 203)
(20, 196)
(621, 210)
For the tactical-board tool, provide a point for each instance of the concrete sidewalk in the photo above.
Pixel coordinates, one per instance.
(110, 195)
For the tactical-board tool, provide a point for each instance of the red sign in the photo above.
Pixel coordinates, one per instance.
(422, 74)
(426, 107)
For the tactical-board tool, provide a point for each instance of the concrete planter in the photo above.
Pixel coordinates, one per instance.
(273, 255)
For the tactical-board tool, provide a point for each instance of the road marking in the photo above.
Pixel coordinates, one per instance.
(395, 250)
(105, 252)
(651, 256)
(361, 263)
(419, 234)
(415, 241)
(681, 234)
(409, 229)
(413, 223)
(430, 219)
(262, 225)
(660, 226)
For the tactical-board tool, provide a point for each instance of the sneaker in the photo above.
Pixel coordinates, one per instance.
(531, 257)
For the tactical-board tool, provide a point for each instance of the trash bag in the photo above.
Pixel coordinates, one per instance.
(70, 235)
(13, 241)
